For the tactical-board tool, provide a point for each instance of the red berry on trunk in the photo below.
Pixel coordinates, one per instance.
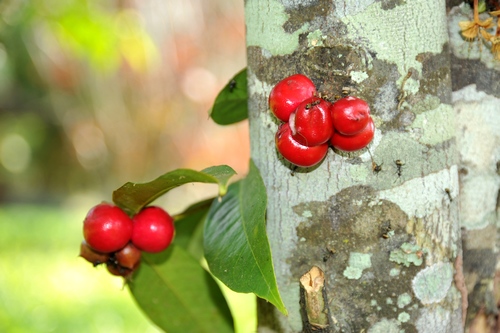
(153, 229)
(296, 153)
(288, 94)
(354, 142)
(107, 228)
(350, 115)
(311, 123)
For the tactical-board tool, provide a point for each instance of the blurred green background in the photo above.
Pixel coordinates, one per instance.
(94, 94)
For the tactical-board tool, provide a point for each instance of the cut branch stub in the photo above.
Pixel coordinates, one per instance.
(315, 303)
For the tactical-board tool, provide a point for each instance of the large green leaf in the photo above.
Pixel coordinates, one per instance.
(189, 228)
(235, 240)
(132, 197)
(178, 295)
(231, 105)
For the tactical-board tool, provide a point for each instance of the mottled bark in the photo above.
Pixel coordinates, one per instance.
(387, 242)
(476, 98)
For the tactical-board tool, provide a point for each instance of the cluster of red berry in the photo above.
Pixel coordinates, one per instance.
(115, 239)
(311, 123)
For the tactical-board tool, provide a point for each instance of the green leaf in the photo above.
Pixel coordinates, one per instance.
(132, 197)
(178, 295)
(235, 240)
(189, 228)
(231, 105)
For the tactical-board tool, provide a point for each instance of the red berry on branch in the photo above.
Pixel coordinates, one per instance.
(311, 123)
(128, 257)
(350, 115)
(296, 153)
(92, 256)
(107, 228)
(119, 270)
(153, 229)
(288, 94)
(354, 142)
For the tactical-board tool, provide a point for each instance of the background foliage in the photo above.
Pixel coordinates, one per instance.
(92, 95)
(87, 87)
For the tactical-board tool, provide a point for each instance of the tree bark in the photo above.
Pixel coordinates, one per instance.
(386, 242)
(476, 97)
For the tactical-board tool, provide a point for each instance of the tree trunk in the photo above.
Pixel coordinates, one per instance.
(476, 97)
(387, 242)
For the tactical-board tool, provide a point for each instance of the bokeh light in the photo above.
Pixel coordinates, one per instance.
(15, 153)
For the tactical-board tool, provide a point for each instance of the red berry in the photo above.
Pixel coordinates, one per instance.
(297, 153)
(311, 123)
(288, 94)
(153, 229)
(350, 115)
(128, 257)
(107, 228)
(356, 141)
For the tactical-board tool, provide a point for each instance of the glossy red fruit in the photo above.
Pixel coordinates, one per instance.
(311, 123)
(350, 115)
(107, 228)
(92, 256)
(356, 141)
(296, 153)
(128, 257)
(153, 229)
(288, 94)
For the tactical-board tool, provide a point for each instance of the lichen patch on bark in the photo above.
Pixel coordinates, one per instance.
(377, 23)
(350, 240)
(271, 37)
(431, 284)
